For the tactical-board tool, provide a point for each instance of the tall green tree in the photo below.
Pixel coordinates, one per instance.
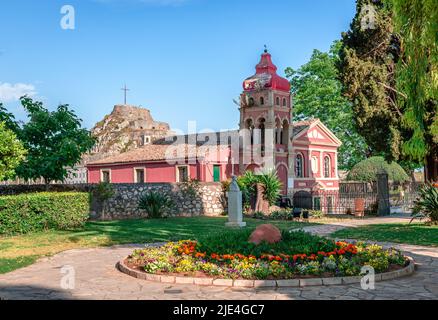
(54, 140)
(367, 63)
(12, 152)
(368, 58)
(318, 93)
(416, 23)
(8, 119)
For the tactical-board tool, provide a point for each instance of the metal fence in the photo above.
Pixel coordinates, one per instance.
(334, 202)
(350, 196)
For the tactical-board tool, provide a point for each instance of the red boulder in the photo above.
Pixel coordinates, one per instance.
(265, 232)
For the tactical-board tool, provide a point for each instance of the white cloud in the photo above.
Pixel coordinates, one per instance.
(13, 92)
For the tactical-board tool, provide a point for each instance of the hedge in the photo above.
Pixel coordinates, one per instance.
(33, 212)
(367, 170)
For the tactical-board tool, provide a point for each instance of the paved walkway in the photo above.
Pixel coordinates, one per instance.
(97, 278)
(326, 229)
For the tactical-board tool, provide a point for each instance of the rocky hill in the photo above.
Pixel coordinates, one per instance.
(126, 128)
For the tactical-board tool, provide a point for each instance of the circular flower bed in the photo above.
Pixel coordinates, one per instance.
(298, 255)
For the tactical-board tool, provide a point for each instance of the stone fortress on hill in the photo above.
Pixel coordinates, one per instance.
(125, 129)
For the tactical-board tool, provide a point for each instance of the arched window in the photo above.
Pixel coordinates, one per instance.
(277, 101)
(277, 131)
(262, 101)
(299, 166)
(284, 102)
(327, 167)
(251, 102)
(250, 127)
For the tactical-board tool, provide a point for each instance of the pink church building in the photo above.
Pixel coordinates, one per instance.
(304, 153)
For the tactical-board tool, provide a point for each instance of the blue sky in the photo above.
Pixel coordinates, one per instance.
(182, 59)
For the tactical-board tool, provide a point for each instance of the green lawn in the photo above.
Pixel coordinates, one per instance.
(419, 234)
(23, 250)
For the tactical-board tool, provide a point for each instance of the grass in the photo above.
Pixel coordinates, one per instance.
(417, 234)
(8, 265)
(22, 250)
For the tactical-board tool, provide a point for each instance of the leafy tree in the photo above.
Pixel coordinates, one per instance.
(318, 93)
(368, 59)
(368, 169)
(12, 152)
(8, 119)
(54, 140)
(367, 63)
(416, 22)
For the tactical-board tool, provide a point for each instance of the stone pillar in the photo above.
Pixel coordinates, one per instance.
(235, 217)
(383, 194)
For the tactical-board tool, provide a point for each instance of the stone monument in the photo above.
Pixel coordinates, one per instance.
(235, 217)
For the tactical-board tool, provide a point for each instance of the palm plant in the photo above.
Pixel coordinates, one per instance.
(271, 185)
(247, 184)
(427, 204)
(155, 204)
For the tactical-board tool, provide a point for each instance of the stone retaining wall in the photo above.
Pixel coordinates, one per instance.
(207, 200)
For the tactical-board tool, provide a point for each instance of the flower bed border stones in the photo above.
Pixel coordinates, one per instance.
(122, 266)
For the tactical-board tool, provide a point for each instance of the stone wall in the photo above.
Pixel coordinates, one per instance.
(208, 199)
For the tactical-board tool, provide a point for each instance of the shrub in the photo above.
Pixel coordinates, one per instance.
(259, 215)
(103, 191)
(282, 215)
(427, 203)
(317, 214)
(190, 188)
(155, 204)
(248, 185)
(367, 170)
(33, 212)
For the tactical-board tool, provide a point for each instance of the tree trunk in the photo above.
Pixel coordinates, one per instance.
(431, 168)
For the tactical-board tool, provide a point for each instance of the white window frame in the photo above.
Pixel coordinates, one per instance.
(135, 174)
(110, 175)
(302, 165)
(177, 172)
(329, 166)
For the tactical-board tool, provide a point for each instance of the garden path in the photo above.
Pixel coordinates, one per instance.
(328, 228)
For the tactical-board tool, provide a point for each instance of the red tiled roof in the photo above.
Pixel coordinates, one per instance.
(165, 149)
(154, 152)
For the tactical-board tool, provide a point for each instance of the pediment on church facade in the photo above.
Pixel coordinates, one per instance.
(314, 132)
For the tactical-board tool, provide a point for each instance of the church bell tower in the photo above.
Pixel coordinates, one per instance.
(266, 117)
